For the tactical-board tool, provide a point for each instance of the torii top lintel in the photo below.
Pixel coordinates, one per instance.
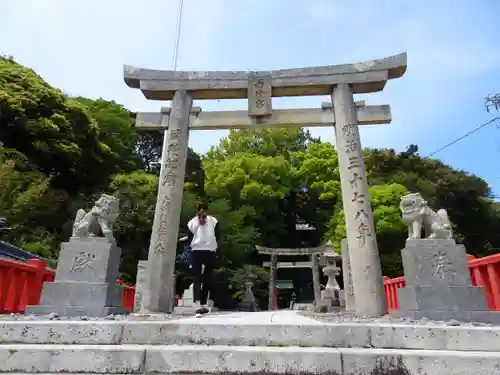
(286, 251)
(364, 77)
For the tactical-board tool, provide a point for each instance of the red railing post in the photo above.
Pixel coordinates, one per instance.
(387, 293)
(36, 285)
(494, 282)
(128, 295)
(5, 280)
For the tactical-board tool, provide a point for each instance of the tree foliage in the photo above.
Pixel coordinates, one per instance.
(23, 195)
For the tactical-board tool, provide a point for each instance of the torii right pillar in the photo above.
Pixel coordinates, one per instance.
(367, 277)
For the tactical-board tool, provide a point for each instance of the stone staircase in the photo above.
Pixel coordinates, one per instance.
(246, 343)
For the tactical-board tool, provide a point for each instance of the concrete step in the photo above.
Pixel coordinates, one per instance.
(192, 359)
(241, 333)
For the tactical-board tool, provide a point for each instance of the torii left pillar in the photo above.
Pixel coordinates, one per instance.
(163, 244)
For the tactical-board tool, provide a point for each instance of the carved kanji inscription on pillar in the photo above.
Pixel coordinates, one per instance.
(163, 225)
(172, 161)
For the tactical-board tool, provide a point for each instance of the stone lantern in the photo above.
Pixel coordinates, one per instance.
(330, 295)
(248, 302)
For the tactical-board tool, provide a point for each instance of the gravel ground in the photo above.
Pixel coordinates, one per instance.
(345, 317)
(53, 316)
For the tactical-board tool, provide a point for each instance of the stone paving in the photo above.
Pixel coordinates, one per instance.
(270, 342)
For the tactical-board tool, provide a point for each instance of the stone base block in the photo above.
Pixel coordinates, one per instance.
(303, 306)
(74, 311)
(183, 303)
(327, 305)
(454, 298)
(140, 284)
(88, 259)
(342, 298)
(85, 281)
(248, 306)
(488, 317)
(328, 294)
(69, 293)
(435, 262)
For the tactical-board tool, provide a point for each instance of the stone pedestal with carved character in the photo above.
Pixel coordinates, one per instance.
(438, 284)
(85, 281)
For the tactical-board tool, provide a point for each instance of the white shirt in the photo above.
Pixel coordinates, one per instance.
(203, 235)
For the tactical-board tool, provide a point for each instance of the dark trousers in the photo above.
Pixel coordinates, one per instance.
(203, 283)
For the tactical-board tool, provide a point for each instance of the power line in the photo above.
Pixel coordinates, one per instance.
(177, 35)
(463, 136)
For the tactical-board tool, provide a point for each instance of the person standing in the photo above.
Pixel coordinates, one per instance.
(203, 239)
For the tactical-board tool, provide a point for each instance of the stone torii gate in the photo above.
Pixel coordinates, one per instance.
(338, 81)
(313, 252)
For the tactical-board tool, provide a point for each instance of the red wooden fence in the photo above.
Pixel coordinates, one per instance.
(483, 272)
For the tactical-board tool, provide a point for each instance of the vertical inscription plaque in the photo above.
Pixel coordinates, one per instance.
(259, 95)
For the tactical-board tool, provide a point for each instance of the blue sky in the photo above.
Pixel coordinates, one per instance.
(80, 46)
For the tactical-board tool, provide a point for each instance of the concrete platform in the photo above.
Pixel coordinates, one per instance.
(192, 359)
(269, 329)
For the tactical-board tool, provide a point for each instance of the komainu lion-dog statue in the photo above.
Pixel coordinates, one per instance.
(99, 220)
(417, 215)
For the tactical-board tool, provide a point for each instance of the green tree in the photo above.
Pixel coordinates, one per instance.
(149, 146)
(389, 227)
(137, 194)
(57, 134)
(318, 173)
(23, 197)
(256, 168)
(79, 142)
(116, 131)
